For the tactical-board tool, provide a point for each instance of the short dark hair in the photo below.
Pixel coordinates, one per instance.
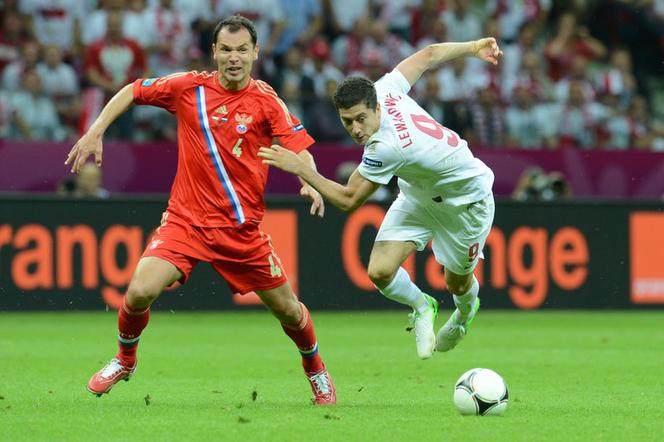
(355, 90)
(234, 23)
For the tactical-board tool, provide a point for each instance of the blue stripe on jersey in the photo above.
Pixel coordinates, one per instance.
(214, 153)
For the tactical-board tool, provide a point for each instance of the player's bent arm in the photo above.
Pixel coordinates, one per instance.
(118, 105)
(348, 197)
(308, 160)
(434, 54)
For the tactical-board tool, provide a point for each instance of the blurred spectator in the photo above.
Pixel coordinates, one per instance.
(137, 23)
(343, 14)
(88, 184)
(12, 37)
(618, 79)
(110, 64)
(319, 68)
(55, 22)
(292, 80)
(646, 133)
(374, 65)
(171, 39)
(531, 77)
(114, 61)
(526, 42)
(569, 41)
(14, 72)
(455, 81)
(59, 79)
(529, 124)
(32, 114)
(578, 73)
(94, 27)
(579, 119)
(513, 14)
(347, 49)
(323, 120)
(267, 15)
(536, 185)
(436, 34)
(304, 22)
(615, 132)
(397, 14)
(461, 23)
(487, 119)
(425, 19)
(392, 48)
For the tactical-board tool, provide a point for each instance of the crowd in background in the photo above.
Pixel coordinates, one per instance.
(582, 73)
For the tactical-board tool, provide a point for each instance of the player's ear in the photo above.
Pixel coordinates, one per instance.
(256, 49)
(214, 52)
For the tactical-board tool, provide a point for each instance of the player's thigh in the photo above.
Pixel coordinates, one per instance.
(406, 223)
(152, 276)
(459, 241)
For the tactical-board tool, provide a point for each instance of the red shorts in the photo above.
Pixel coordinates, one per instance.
(243, 256)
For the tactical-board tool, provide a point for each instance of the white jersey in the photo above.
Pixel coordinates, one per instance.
(431, 161)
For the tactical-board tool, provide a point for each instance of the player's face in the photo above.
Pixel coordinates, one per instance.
(360, 121)
(235, 54)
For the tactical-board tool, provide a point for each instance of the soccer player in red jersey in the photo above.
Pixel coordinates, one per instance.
(216, 202)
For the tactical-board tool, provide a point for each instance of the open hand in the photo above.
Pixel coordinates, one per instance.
(487, 49)
(317, 204)
(87, 145)
(284, 159)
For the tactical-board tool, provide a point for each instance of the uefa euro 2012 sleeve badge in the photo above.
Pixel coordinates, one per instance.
(243, 120)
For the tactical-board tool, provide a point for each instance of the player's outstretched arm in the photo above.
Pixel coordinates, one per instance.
(431, 56)
(90, 143)
(347, 198)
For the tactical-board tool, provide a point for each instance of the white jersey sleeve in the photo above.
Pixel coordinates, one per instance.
(379, 162)
(392, 82)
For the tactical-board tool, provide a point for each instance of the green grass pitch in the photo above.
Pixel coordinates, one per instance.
(235, 376)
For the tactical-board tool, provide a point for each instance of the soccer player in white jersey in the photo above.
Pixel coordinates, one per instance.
(445, 191)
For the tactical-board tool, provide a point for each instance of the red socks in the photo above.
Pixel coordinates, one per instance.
(130, 325)
(304, 336)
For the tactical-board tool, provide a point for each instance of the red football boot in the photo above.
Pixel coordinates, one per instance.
(107, 377)
(323, 388)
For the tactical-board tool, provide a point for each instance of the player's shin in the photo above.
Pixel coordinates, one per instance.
(304, 336)
(464, 302)
(131, 323)
(402, 290)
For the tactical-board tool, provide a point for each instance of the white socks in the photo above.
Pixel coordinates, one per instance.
(402, 290)
(465, 301)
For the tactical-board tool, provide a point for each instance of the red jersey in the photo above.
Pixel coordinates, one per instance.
(220, 179)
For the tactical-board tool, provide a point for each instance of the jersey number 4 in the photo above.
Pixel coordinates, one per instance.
(434, 129)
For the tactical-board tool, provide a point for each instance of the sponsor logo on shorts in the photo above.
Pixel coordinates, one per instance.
(148, 82)
(155, 243)
(372, 163)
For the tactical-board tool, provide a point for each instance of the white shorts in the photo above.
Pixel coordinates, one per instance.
(458, 233)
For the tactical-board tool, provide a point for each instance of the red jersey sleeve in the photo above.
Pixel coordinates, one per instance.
(285, 126)
(163, 91)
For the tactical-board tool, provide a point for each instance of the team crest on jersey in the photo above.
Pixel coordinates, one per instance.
(219, 115)
(243, 121)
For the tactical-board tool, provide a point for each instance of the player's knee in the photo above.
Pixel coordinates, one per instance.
(288, 312)
(380, 275)
(141, 295)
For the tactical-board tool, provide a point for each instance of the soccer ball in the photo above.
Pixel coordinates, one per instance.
(480, 392)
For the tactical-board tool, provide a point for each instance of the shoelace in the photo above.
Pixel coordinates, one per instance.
(321, 383)
(111, 368)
